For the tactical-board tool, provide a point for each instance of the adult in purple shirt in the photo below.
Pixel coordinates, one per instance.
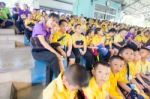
(130, 39)
(42, 32)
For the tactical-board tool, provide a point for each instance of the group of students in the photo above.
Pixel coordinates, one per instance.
(115, 56)
(116, 59)
(125, 76)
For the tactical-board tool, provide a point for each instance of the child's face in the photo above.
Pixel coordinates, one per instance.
(100, 33)
(112, 33)
(137, 56)
(92, 33)
(116, 65)
(124, 33)
(144, 53)
(101, 74)
(128, 55)
(78, 29)
(63, 26)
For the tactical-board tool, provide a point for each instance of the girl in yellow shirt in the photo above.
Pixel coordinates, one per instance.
(80, 47)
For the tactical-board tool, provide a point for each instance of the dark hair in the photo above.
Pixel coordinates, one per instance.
(112, 30)
(101, 63)
(97, 30)
(54, 15)
(131, 28)
(89, 31)
(115, 57)
(145, 48)
(138, 32)
(61, 22)
(123, 29)
(77, 25)
(77, 75)
(123, 49)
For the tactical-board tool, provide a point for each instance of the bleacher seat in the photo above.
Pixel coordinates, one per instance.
(7, 91)
(39, 72)
(26, 41)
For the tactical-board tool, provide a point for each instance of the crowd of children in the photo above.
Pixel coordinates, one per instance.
(115, 55)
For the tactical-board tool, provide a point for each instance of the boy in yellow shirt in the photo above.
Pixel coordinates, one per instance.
(137, 63)
(65, 41)
(145, 64)
(65, 86)
(116, 64)
(130, 85)
(99, 85)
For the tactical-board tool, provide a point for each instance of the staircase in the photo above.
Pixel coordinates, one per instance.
(8, 39)
(15, 69)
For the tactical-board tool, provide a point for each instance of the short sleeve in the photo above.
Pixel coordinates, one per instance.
(38, 30)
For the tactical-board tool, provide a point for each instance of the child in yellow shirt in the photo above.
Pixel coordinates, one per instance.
(98, 86)
(65, 86)
(65, 41)
(130, 84)
(116, 64)
(145, 64)
(80, 47)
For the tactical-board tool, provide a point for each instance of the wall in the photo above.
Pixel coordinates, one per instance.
(56, 5)
(86, 8)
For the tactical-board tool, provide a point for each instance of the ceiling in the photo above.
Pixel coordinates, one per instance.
(137, 7)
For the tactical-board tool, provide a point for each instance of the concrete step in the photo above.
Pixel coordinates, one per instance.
(17, 68)
(7, 44)
(7, 91)
(7, 31)
(33, 92)
(18, 38)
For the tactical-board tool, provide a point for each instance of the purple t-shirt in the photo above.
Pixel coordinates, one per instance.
(40, 29)
(130, 35)
(25, 12)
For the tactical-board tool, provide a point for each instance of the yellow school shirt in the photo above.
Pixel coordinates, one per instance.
(108, 39)
(28, 21)
(96, 40)
(66, 38)
(37, 16)
(145, 39)
(137, 67)
(118, 38)
(138, 38)
(57, 90)
(132, 72)
(94, 92)
(114, 79)
(78, 38)
(145, 67)
(88, 40)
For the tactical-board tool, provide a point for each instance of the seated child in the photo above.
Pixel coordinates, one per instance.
(65, 41)
(119, 39)
(65, 86)
(98, 86)
(145, 64)
(138, 64)
(129, 87)
(116, 64)
(80, 47)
